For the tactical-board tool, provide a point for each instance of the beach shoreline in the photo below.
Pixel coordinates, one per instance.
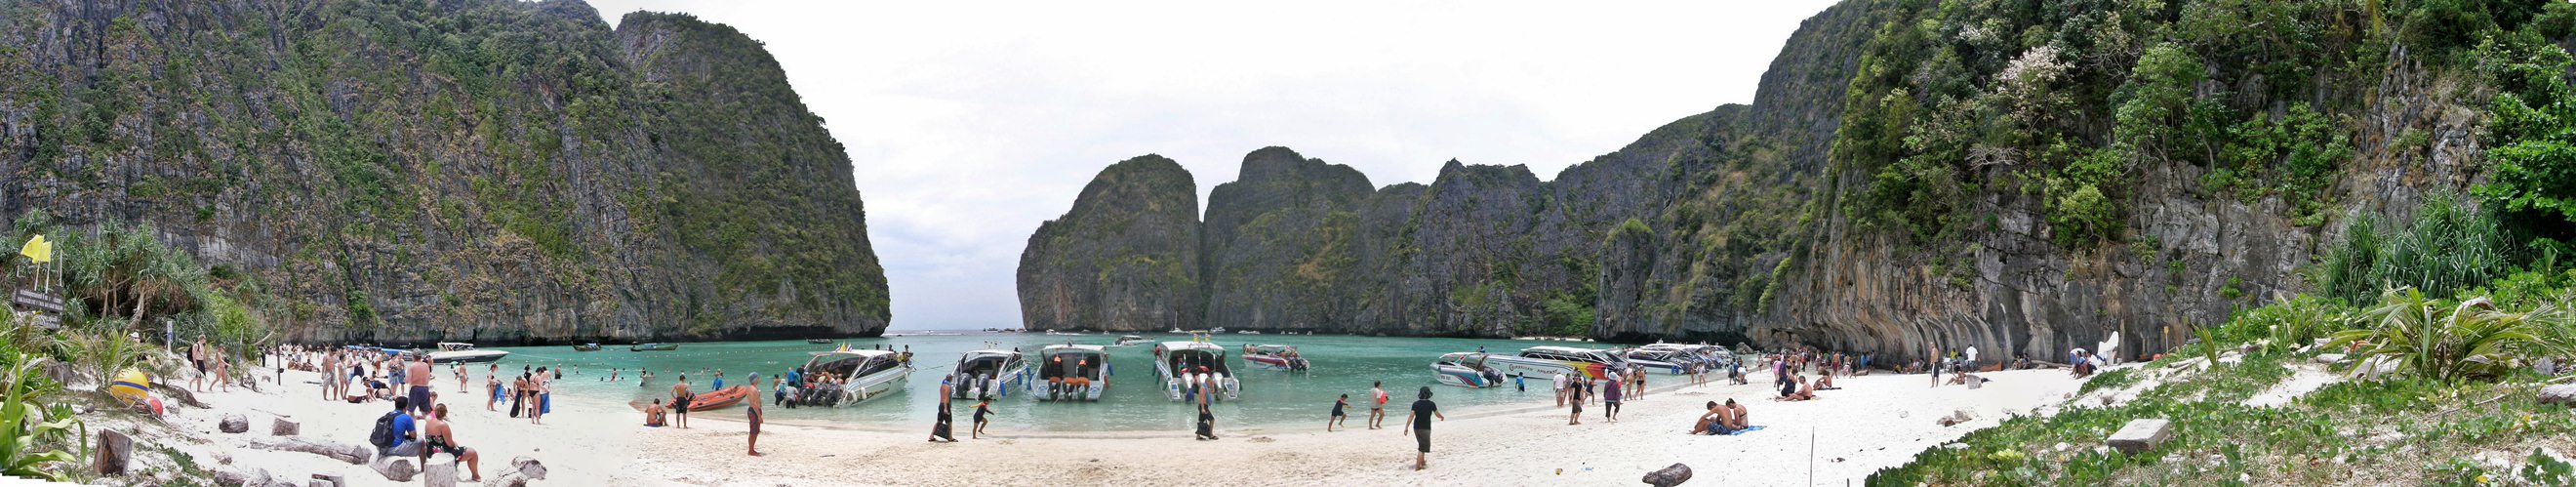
(1874, 422)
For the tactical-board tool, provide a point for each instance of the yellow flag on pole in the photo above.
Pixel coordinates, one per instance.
(38, 250)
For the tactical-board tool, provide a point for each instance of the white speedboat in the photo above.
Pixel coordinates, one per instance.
(1217, 330)
(1248, 332)
(1176, 331)
(1657, 361)
(1129, 340)
(986, 373)
(1071, 373)
(1465, 369)
(862, 374)
(464, 353)
(1186, 368)
(1274, 357)
(1537, 362)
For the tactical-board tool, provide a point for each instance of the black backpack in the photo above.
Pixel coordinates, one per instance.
(383, 436)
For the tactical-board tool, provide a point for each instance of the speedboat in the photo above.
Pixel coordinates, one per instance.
(1659, 362)
(1217, 330)
(1248, 332)
(1274, 357)
(586, 347)
(985, 373)
(1465, 369)
(819, 341)
(1176, 331)
(1129, 340)
(1183, 365)
(653, 347)
(464, 353)
(864, 375)
(1551, 360)
(1071, 373)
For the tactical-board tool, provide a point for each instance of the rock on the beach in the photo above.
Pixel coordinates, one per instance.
(247, 478)
(2329, 358)
(394, 469)
(439, 474)
(1669, 476)
(114, 451)
(2140, 435)
(235, 423)
(282, 427)
(328, 480)
(522, 470)
(2563, 394)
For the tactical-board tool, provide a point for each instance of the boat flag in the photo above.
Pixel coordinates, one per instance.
(38, 250)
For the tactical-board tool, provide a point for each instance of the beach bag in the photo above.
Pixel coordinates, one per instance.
(383, 436)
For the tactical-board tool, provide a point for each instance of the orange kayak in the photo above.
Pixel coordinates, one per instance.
(720, 399)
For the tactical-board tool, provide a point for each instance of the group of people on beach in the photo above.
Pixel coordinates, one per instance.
(419, 425)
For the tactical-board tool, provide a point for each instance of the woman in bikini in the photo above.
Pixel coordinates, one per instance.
(438, 437)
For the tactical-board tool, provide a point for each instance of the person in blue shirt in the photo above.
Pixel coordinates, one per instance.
(403, 430)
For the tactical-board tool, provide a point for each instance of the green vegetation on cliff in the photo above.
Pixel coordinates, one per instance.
(480, 169)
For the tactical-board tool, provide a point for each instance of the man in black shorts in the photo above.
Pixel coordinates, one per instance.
(1338, 416)
(1423, 411)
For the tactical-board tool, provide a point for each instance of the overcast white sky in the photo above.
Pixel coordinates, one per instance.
(969, 123)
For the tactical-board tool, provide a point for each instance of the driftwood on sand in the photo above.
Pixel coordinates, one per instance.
(353, 454)
(394, 469)
(522, 471)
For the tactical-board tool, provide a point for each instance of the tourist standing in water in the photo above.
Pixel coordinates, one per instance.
(1423, 411)
(1207, 420)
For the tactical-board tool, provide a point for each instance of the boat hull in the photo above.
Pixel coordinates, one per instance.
(1542, 368)
(475, 357)
(720, 399)
(874, 386)
(1461, 377)
(1266, 362)
(654, 347)
(999, 385)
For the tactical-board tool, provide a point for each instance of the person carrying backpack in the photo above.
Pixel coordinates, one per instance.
(393, 429)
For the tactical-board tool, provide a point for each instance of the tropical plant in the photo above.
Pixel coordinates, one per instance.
(2471, 340)
(103, 355)
(2291, 322)
(24, 427)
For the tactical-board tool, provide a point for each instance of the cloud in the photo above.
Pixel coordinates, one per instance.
(969, 123)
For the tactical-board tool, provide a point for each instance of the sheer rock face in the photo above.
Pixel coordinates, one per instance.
(486, 170)
(1126, 257)
(1741, 232)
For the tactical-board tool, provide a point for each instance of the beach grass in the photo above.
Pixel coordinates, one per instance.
(2398, 432)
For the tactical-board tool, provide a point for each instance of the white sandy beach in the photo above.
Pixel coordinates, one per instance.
(1874, 422)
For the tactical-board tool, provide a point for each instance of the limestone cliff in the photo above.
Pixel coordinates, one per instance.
(2022, 177)
(1126, 257)
(488, 170)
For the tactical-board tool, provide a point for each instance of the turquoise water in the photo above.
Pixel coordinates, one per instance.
(1135, 400)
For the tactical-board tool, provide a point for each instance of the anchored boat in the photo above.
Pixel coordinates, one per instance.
(860, 374)
(1465, 369)
(586, 347)
(1551, 360)
(464, 353)
(1126, 340)
(1071, 373)
(653, 347)
(720, 399)
(985, 373)
(1187, 368)
(1274, 357)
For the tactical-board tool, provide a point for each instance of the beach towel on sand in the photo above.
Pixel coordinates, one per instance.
(1747, 429)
